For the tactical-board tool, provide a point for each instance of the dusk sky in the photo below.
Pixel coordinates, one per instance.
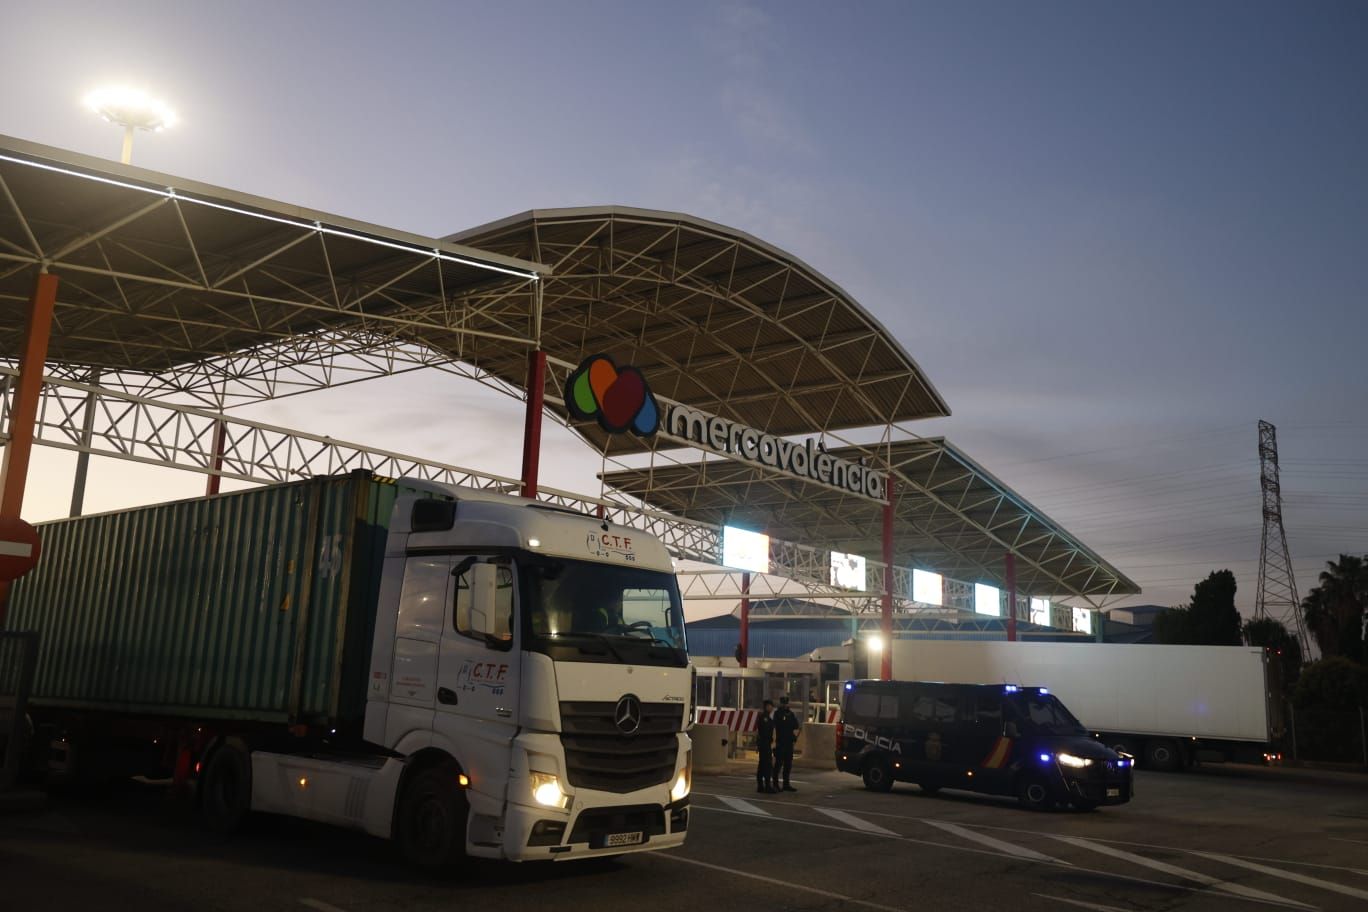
(1114, 236)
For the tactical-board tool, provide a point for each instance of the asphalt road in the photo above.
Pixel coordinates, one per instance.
(1207, 840)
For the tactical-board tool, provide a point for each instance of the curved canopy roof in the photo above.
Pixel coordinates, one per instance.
(712, 317)
(951, 516)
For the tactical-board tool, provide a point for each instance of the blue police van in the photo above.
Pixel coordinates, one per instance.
(999, 739)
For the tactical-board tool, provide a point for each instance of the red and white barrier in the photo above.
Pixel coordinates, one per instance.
(741, 721)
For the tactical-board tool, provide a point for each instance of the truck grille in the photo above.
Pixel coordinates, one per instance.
(599, 756)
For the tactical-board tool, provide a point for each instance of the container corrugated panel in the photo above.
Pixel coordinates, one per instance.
(252, 605)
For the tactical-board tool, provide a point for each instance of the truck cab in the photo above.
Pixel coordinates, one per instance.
(998, 739)
(527, 692)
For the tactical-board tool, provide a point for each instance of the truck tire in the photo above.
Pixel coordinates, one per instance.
(225, 787)
(878, 775)
(430, 826)
(1163, 755)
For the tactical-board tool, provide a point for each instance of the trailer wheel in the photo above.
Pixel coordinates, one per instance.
(431, 824)
(225, 787)
(1162, 755)
(878, 776)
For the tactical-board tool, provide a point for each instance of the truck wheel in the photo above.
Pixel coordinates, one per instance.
(878, 776)
(1033, 793)
(431, 824)
(1162, 755)
(225, 787)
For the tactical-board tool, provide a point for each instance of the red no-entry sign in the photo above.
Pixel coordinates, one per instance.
(19, 547)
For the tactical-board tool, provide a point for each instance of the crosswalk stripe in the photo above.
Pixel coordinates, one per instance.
(851, 820)
(1224, 886)
(742, 805)
(1006, 848)
(1097, 907)
(1287, 875)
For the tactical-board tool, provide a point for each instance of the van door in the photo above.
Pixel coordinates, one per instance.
(989, 749)
(477, 678)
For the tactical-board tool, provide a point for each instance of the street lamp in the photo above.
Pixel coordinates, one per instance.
(132, 109)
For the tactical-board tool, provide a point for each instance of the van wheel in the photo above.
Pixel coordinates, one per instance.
(1162, 755)
(1033, 793)
(431, 824)
(878, 777)
(225, 787)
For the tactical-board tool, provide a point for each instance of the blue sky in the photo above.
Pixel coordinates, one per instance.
(1114, 235)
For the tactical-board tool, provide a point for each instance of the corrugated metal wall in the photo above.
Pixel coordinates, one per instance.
(196, 607)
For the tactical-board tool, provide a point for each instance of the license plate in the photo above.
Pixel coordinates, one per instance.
(1113, 793)
(622, 839)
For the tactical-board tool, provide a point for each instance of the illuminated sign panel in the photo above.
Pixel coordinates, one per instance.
(986, 600)
(1082, 620)
(926, 587)
(745, 550)
(847, 571)
(1040, 612)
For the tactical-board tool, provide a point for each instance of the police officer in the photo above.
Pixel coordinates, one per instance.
(764, 743)
(785, 733)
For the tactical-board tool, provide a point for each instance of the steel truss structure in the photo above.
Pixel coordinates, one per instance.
(82, 418)
(1277, 593)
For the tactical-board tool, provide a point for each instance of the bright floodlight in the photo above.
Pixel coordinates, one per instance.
(132, 109)
(874, 644)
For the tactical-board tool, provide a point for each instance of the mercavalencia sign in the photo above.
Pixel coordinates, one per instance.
(803, 460)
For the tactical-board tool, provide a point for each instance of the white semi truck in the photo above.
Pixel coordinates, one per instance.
(1162, 704)
(463, 672)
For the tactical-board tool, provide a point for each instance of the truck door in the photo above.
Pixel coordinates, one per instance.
(477, 678)
(413, 673)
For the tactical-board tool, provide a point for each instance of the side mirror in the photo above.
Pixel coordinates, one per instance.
(483, 582)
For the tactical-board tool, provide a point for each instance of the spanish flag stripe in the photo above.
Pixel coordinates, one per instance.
(998, 755)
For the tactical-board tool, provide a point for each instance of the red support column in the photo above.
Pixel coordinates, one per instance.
(1011, 596)
(28, 389)
(211, 486)
(886, 654)
(536, 381)
(743, 651)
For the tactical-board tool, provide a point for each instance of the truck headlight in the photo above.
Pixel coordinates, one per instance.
(546, 790)
(1071, 760)
(684, 781)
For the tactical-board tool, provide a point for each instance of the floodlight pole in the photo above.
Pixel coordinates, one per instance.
(886, 664)
(83, 457)
(212, 483)
(1010, 560)
(743, 656)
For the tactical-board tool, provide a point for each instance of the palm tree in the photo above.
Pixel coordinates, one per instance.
(1334, 609)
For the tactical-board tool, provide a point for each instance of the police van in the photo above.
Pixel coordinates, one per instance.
(999, 739)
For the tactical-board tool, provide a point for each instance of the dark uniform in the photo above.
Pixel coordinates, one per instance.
(764, 744)
(785, 733)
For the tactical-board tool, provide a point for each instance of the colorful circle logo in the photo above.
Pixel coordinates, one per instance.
(618, 398)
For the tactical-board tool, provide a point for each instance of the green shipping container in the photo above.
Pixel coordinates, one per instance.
(256, 605)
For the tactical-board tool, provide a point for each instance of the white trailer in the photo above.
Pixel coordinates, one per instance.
(1160, 703)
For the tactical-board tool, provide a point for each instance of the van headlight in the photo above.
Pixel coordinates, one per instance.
(684, 782)
(1072, 761)
(546, 790)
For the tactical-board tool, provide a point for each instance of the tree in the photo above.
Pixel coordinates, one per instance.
(1333, 683)
(1210, 619)
(1334, 610)
(1284, 652)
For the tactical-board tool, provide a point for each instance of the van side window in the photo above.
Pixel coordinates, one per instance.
(873, 706)
(944, 708)
(988, 712)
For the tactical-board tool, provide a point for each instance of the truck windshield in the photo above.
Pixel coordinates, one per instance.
(1043, 714)
(580, 610)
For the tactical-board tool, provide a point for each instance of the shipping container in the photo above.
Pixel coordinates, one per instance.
(257, 605)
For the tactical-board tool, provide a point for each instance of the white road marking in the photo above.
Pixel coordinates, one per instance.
(1287, 875)
(742, 805)
(1223, 886)
(1355, 841)
(1111, 875)
(841, 897)
(1098, 907)
(1005, 847)
(853, 821)
(16, 549)
(320, 905)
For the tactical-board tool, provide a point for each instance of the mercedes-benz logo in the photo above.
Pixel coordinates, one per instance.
(627, 714)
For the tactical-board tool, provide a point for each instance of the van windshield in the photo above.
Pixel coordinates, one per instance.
(632, 615)
(1043, 714)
